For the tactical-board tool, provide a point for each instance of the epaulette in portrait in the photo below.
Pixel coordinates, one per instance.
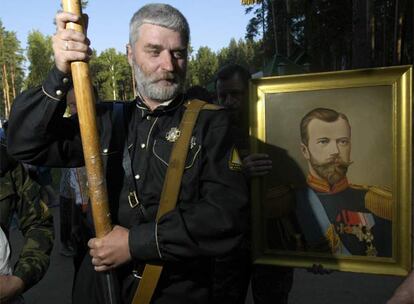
(379, 201)
(359, 187)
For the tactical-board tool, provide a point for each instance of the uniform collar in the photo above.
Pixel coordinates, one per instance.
(323, 186)
(166, 106)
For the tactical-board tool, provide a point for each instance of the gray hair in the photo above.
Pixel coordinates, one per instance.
(162, 15)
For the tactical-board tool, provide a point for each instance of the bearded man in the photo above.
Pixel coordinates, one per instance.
(333, 215)
(210, 217)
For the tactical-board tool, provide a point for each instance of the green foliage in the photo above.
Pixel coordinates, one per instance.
(111, 75)
(40, 56)
(203, 66)
(243, 52)
(320, 34)
(11, 67)
(334, 35)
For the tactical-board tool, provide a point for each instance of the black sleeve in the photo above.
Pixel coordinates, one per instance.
(38, 133)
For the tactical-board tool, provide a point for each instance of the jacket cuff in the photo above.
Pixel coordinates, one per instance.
(27, 277)
(143, 243)
(57, 84)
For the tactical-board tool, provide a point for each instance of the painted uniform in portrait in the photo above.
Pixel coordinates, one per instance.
(345, 219)
(329, 214)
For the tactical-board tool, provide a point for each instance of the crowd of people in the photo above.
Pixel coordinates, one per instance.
(204, 242)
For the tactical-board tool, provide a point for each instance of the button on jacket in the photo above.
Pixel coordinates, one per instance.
(211, 214)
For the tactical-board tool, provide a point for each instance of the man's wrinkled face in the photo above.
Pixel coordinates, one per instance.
(328, 149)
(159, 59)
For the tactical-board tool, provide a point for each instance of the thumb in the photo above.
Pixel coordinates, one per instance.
(85, 23)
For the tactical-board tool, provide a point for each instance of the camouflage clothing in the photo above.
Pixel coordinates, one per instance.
(18, 193)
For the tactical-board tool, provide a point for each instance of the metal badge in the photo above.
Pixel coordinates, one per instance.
(193, 142)
(173, 135)
(133, 199)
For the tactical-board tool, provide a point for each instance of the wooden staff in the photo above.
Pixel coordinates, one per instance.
(85, 102)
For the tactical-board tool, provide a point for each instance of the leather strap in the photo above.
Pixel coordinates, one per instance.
(169, 194)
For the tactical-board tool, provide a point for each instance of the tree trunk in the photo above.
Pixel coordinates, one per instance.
(395, 51)
(403, 11)
(371, 31)
(274, 23)
(13, 82)
(384, 39)
(6, 90)
(4, 96)
(134, 89)
(361, 30)
(289, 50)
(113, 82)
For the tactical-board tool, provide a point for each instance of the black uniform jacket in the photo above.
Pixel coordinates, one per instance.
(211, 213)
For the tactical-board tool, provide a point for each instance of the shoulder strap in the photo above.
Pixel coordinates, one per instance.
(172, 181)
(169, 194)
(379, 201)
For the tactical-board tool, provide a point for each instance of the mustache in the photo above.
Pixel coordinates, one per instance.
(332, 170)
(165, 76)
(339, 161)
(335, 162)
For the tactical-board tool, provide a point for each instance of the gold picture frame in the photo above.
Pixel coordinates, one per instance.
(378, 105)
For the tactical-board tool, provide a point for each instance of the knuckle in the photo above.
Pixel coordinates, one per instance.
(100, 255)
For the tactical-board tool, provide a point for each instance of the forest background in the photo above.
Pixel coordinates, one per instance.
(282, 37)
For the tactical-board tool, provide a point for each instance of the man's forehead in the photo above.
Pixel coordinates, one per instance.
(319, 128)
(151, 34)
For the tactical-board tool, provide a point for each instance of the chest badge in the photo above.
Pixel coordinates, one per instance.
(173, 135)
(235, 162)
(193, 142)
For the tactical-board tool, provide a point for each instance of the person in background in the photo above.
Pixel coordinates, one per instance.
(199, 92)
(5, 267)
(20, 195)
(270, 284)
(74, 230)
(44, 178)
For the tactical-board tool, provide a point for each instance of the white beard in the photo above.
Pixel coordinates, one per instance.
(148, 85)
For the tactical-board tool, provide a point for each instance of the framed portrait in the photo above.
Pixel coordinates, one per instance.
(339, 193)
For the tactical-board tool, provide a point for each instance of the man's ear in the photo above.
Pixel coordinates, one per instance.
(305, 151)
(130, 54)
